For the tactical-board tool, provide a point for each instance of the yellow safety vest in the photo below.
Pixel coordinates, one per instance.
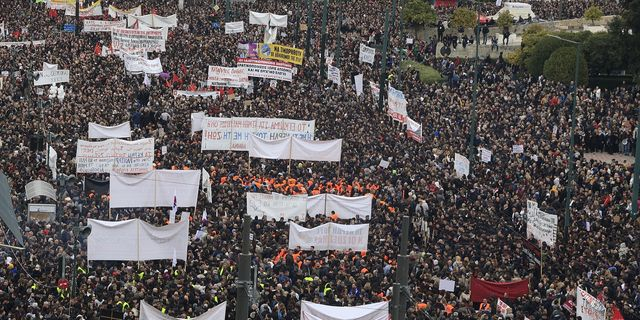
(326, 289)
(141, 275)
(164, 310)
(215, 298)
(82, 270)
(310, 279)
(125, 305)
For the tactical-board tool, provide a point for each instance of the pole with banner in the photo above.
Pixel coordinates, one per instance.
(636, 171)
(244, 271)
(323, 43)
(383, 61)
(474, 117)
(227, 11)
(336, 58)
(77, 17)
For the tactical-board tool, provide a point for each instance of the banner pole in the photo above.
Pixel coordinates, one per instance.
(339, 165)
(290, 144)
(541, 259)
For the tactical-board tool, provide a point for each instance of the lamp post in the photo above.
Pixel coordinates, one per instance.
(474, 96)
(571, 177)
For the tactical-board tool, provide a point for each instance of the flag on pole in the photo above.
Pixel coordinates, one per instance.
(204, 216)
(147, 80)
(174, 208)
(174, 261)
(498, 3)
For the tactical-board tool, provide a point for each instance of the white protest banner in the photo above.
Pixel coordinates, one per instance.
(165, 30)
(276, 206)
(503, 308)
(343, 207)
(154, 21)
(269, 149)
(517, 148)
(447, 285)
(196, 121)
(367, 54)
(333, 74)
(205, 94)
(532, 206)
(267, 19)
(38, 188)
(315, 150)
(588, 307)
(397, 105)
(95, 9)
(114, 155)
(329, 236)
(97, 131)
(49, 67)
(227, 77)
(234, 27)
(542, 226)
(375, 91)
(384, 164)
(485, 155)
(148, 312)
(461, 165)
(137, 40)
(270, 35)
(136, 240)
(102, 26)
(372, 311)
(414, 130)
(234, 133)
(358, 79)
(52, 162)
(51, 77)
(121, 13)
(136, 64)
(267, 69)
(22, 43)
(60, 4)
(156, 188)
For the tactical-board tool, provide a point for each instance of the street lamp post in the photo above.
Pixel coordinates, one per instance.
(571, 177)
(474, 103)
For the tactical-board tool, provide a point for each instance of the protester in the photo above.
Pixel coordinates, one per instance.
(466, 226)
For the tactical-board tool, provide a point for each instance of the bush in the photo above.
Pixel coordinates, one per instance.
(535, 58)
(604, 53)
(427, 74)
(561, 66)
(463, 17)
(419, 13)
(505, 19)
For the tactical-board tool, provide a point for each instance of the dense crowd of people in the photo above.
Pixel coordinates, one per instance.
(474, 224)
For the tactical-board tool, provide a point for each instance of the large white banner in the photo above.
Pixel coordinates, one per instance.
(588, 307)
(97, 131)
(102, 26)
(21, 43)
(154, 21)
(344, 207)
(135, 64)
(121, 13)
(51, 77)
(148, 312)
(227, 77)
(38, 188)
(329, 236)
(204, 94)
(267, 19)
(136, 240)
(234, 133)
(196, 121)
(155, 189)
(115, 155)
(375, 91)
(542, 226)
(276, 206)
(367, 54)
(295, 149)
(358, 79)
(234, 27)
(372, 311)
(94, 9)
(397, 105)
(461, 165)
(267, 69)
(129, 40)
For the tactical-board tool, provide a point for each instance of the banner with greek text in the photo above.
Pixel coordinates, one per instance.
(156, 188)
(94, 9)
(329, 236)
(137, 40)
(333, 74)
(121, 13)
(51, 77)
(542, 226)
(397, 105)
(136, 64)
(276, 206)
(588, 307)
(204, 94)
(267, 69)
(281, 53)
(102, 26)
(115, 155)
(461, 165)
(375, 91)
(367, 54)
(21, 43)
(227, 77)
(234, 133)
(97, 131)
(234, 27)
(414, 130)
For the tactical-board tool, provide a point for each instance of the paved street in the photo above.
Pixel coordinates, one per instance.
(605, 157)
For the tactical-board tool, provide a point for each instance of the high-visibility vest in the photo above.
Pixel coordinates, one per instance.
(141, 275)
(164, 310)
(61, 293)
(34, 286)
(82, 270)
(485, 306)
(215, 298)
(310, 279)
(326, 289)
(124, 305)
(221, 271)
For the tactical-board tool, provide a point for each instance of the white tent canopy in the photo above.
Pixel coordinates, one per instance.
(517, 9)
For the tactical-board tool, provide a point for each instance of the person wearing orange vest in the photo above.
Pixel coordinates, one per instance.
(484, 307)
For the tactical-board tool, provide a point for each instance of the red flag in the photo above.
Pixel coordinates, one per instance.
(481, 289)
(617, 315)
(98, 49)
(175, 78)
(192, 87)
(53, 13)
(183, 68)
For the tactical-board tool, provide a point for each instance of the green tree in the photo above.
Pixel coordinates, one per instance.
(593, 13)
(464, 17)
(561, 66)
(604, 53)
(505, 19)
(418, 13)
(543, 48)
